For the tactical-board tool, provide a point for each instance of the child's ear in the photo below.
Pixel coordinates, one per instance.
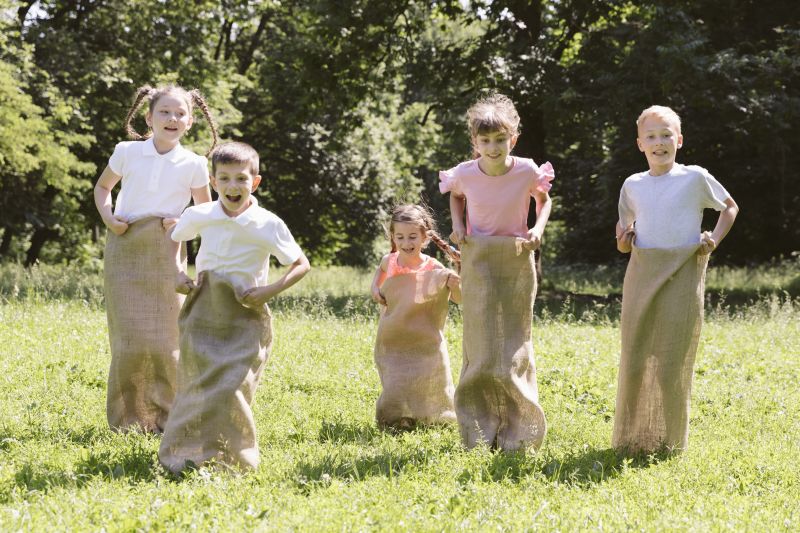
(514, 139)
(256, 181)
(213, 179)
(680, 141)
(148, 118)
(639, 144)
(189, 125)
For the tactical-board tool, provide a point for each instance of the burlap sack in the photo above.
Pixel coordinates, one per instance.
(662, 313)
(497, 400)
(224, 346)
(142, 309)
(411, 352)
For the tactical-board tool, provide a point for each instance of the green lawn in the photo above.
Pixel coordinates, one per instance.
(325, 466)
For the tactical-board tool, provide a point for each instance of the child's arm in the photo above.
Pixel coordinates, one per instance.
(454, 284)
(624, 238)
(457, 206)
(200, 195)
(543, 207)
(377, 281)
(724, 223)
(260, 295)
(102, 200)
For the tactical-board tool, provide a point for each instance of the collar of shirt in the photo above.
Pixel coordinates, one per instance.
(149, 149)
(250, 214)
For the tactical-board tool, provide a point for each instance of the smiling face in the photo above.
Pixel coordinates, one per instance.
(409, 239)
(234, 182)
(659, 139)
(169, 119)
(494, 149)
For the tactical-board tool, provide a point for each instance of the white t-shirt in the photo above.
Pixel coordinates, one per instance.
(668, 209)
(155, 184)
(238, 247)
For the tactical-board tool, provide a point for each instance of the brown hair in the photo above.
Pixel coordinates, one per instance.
(421, 215)
(152, 95)
(495, 112)
(234, 152)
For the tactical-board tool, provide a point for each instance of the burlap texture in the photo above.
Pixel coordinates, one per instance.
(224, 346)
(497, 400)
(662, 313)
(142, 309)
(411, 352)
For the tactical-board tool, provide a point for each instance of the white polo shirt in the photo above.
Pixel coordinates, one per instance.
(155, 184)
(238, 247)
(668, 209)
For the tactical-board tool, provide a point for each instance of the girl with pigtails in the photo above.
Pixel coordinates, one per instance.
(158, 179)
(413, 290)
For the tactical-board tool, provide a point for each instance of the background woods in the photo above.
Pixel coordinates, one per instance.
(356, 104)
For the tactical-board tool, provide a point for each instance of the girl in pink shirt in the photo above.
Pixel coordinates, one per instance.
(410, 349)
(497, 398)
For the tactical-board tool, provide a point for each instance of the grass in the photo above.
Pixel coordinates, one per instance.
(325, 466)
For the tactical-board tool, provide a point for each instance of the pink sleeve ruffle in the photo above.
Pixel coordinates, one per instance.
(545, 174)
(448, 182)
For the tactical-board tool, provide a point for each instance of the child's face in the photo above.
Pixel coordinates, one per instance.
(494, 147)
(409, 238)
(170, 118)
(659, 139)
(234, 182)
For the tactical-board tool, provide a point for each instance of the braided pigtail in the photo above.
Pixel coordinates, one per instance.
(453, 255)
(142, 93)
(198, 99)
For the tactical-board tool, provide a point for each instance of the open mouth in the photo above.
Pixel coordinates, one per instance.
(234, 198)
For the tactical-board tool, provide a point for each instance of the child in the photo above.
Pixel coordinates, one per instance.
(497, 399)
(410, 349)
(158, 177)
(660, 212)
(225, 324)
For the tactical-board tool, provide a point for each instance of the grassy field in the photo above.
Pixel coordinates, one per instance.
(325, 466)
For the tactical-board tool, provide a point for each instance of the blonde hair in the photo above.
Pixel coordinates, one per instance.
(152, 94)
(421, 216)
(495, 112)
(234, 152)
(660, 111)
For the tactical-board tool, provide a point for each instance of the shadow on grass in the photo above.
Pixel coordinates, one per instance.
(584, 469)
(136, 463)
(312, 475)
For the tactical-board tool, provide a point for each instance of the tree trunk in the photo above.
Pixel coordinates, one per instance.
(5, 244)
(39, 238)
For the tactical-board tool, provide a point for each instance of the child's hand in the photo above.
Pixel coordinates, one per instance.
(258, 296)
(707, 243)
(453, 280)
(457, 236)
(184, 283)
(535, 238)
(377, 296)
(168, 223)
(116, 224)
(625, 240)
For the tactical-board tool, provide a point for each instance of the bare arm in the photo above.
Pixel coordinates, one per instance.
(454, 284)
(544, 205)
(260, 295)
(201, 195)
(724, 223)
(377, 281)
(624, 238)
(457, 206)
(102, 200)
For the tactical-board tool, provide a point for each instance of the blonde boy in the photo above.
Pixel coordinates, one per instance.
(660, 213)
(225, 324)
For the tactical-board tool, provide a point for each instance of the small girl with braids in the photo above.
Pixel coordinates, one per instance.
(410, 349)
(158, 179)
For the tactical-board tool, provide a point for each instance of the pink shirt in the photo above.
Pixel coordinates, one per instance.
(394, 269)
(497, 205)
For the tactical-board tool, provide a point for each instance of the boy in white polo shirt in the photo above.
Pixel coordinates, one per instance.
(225, 324)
